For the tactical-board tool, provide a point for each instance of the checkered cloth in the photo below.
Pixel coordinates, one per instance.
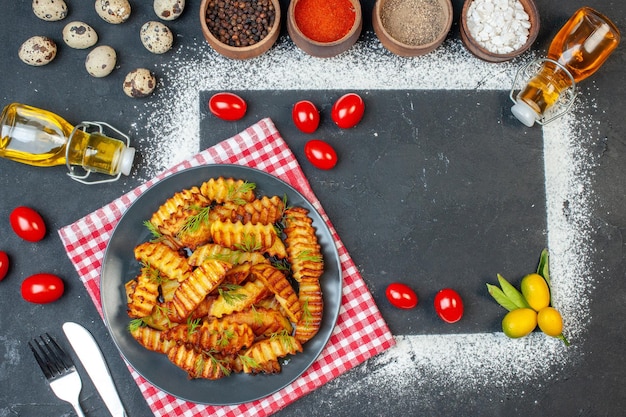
(360, 332)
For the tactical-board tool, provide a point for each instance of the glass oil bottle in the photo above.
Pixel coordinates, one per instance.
(41, 138)
(578, 50)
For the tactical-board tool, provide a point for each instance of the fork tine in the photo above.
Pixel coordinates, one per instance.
(52, 360)
(62, 359)
(35, 346)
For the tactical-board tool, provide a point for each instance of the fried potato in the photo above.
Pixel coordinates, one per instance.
(303, 251)
(204, 279)
(168, 261)
(282, 289)
(264, 210)
(263, 322)
(221, 253)
(310, 297)
(198, 364)
(175, 212)
(222, 190)
(216, 335)
(238, 298)
(247, 237)
(144, 296)
(263, 355)
(151, 339)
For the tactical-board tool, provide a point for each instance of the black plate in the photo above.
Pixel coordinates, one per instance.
(119, 266)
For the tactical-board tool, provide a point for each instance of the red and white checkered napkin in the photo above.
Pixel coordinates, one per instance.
(360, 332)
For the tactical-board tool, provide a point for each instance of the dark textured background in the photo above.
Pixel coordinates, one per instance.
(394, 228)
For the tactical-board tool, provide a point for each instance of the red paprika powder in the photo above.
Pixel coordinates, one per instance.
(324, 20)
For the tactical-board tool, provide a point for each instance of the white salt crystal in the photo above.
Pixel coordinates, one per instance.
(498, 25)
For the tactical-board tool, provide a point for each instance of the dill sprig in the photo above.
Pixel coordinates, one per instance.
(136, 324)
(193, 223)
(307, 255)
(307, 317)
(234, 193)
(153, 274)
(216, 362)
(249, 244)
(249, 362)
(192, 325)
(154, 231)
(284, 338)
(225, 337)
(230, 294)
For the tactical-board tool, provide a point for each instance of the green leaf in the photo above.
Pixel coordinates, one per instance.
(500, 298)
(512, 293)
(543, 268)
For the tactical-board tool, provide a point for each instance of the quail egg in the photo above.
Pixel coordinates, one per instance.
(156, 37)
(101, 61)
(79, 35)
(139, 83)
(37, 51)
(113, 11)
(50, 10)
(169, 9)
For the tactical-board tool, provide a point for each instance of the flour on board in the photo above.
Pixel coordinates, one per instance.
(463, 361)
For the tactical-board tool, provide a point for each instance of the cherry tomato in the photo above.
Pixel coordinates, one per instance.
(27, 224)
(305, 116)
(449, 305)
(348, 110)
(320, 154)
(4, 264)
(42, 288)
(228, 106)
(401, 295)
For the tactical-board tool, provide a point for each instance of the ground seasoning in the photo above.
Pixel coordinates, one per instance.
(240, 23)
(324, 20)
(413, 22)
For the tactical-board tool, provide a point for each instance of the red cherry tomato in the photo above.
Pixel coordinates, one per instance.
(348, 110)
(449, 305)
(4, 264)
(320, 154)
(305, 116)
(401, 295)
(27, 224)
(228, 106)
(42, 288)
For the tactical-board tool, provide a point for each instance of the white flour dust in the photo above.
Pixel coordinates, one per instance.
(464, 362)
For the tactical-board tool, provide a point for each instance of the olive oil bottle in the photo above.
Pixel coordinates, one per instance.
(40, 138)
(577, 51)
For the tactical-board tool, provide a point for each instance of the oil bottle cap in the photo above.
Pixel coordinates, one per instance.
(126, 163)
(524, 113)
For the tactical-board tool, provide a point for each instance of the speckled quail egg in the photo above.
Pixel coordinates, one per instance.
(169, 9)
(156, 37)
(37, 51)
(50, 10)
(139, 83)
(101, 61)
(79, 35)
(113, 11)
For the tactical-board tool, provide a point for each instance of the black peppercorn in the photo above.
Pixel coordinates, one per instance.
(240, 23)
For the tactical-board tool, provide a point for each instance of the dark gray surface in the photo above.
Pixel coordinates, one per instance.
(591, 386)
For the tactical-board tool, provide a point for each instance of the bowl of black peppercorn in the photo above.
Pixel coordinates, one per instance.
(240, 29)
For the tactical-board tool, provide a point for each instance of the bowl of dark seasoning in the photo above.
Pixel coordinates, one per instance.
(240, 29)
(324, 28)
(499, 30)
(412, 27)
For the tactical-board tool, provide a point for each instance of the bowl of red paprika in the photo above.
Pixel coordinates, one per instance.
(323, 28)
(412, 27)
(240, 29)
